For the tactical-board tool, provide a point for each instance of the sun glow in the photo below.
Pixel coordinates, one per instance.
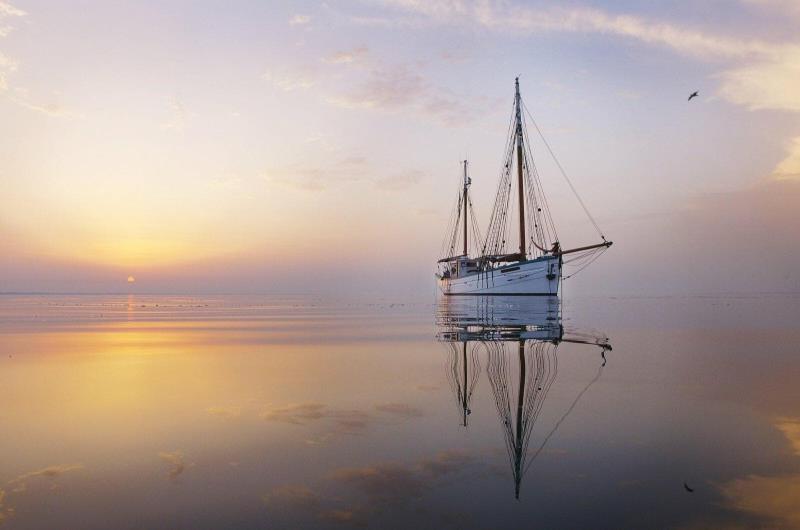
(131, 279)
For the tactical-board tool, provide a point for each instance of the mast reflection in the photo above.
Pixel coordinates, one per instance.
(519, 337)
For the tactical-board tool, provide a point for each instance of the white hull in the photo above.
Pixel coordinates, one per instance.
(537, 277)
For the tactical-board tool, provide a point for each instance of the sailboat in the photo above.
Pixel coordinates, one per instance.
(535, 266)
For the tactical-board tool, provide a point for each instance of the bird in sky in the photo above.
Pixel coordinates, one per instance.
(687, 488)
(693, 95)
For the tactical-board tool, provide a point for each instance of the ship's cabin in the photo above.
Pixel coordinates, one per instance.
(460, 266)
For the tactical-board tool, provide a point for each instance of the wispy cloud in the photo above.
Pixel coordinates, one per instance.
(292, 497)
(385, 88)
(400, 181)
(789, 167)
(782, 7)
(51, 473)
(20, 485)
(299, 20)
(19, 95)
(776, 498)
(177, 116)
(49, 109)
(770, 81)
(347, 56)
(403, 410)
(373, 489)
(399, 87)
(353, 169)
(289, 81)
(790, 427)
(765, 75)
(7, 64)
(336, 421)
(176, 461)
(7, 10)
(391, 482)
(225, 412)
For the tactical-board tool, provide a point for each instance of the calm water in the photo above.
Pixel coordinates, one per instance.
(264, 412)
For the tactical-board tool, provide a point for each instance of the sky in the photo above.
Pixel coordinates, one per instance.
(314, 147)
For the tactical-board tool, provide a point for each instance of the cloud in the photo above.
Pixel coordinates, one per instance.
(342, 421)
(385, 88)
(766, 75)
(7, 64)
(292, 498)
(400, 409)
(400, 181)
(5, 513)
(347, 170)
(504, 16)
(337, 421)
(350, 517)
(744, 225)
(776, 498)
(289, 81)
(177, 119)
(398, 87)
(789, 167)
(394, 482)
(7, 10)
(51, 473)
(772, 82)
(373, 489)
(297, 414)
(225, 412)
(299, 20)
(20, 485)
(381, 483)
(347, 57)
(177, 463)
(790, 427)
(783, 7)
(308, 178)
(20, 96)
(50, 109)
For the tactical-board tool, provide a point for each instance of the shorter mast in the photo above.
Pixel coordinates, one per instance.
(466, 206)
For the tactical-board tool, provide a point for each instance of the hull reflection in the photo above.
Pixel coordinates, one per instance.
(519, 338)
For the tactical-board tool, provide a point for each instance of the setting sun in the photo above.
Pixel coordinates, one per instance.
(131, 279)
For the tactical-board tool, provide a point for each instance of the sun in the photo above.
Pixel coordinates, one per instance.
(131, 279)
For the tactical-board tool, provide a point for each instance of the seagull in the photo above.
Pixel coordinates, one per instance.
(687, 488)
(693, 95)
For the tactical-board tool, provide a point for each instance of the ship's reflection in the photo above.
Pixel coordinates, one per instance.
(518, 337)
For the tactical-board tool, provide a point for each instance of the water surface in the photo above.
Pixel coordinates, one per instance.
(298, 412)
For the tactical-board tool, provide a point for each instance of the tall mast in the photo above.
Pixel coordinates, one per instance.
(464, 403)
(519, 442)
(518, 108)
(466, 205)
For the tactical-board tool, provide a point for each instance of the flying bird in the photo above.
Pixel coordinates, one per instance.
(693, 95)
(687, 488)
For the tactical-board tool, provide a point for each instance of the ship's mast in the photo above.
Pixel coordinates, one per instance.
(464, 402)
(519, 443)
(466, 205)
(520, 160)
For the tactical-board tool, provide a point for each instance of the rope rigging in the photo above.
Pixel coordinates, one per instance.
(564, 174)
(455, 230)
